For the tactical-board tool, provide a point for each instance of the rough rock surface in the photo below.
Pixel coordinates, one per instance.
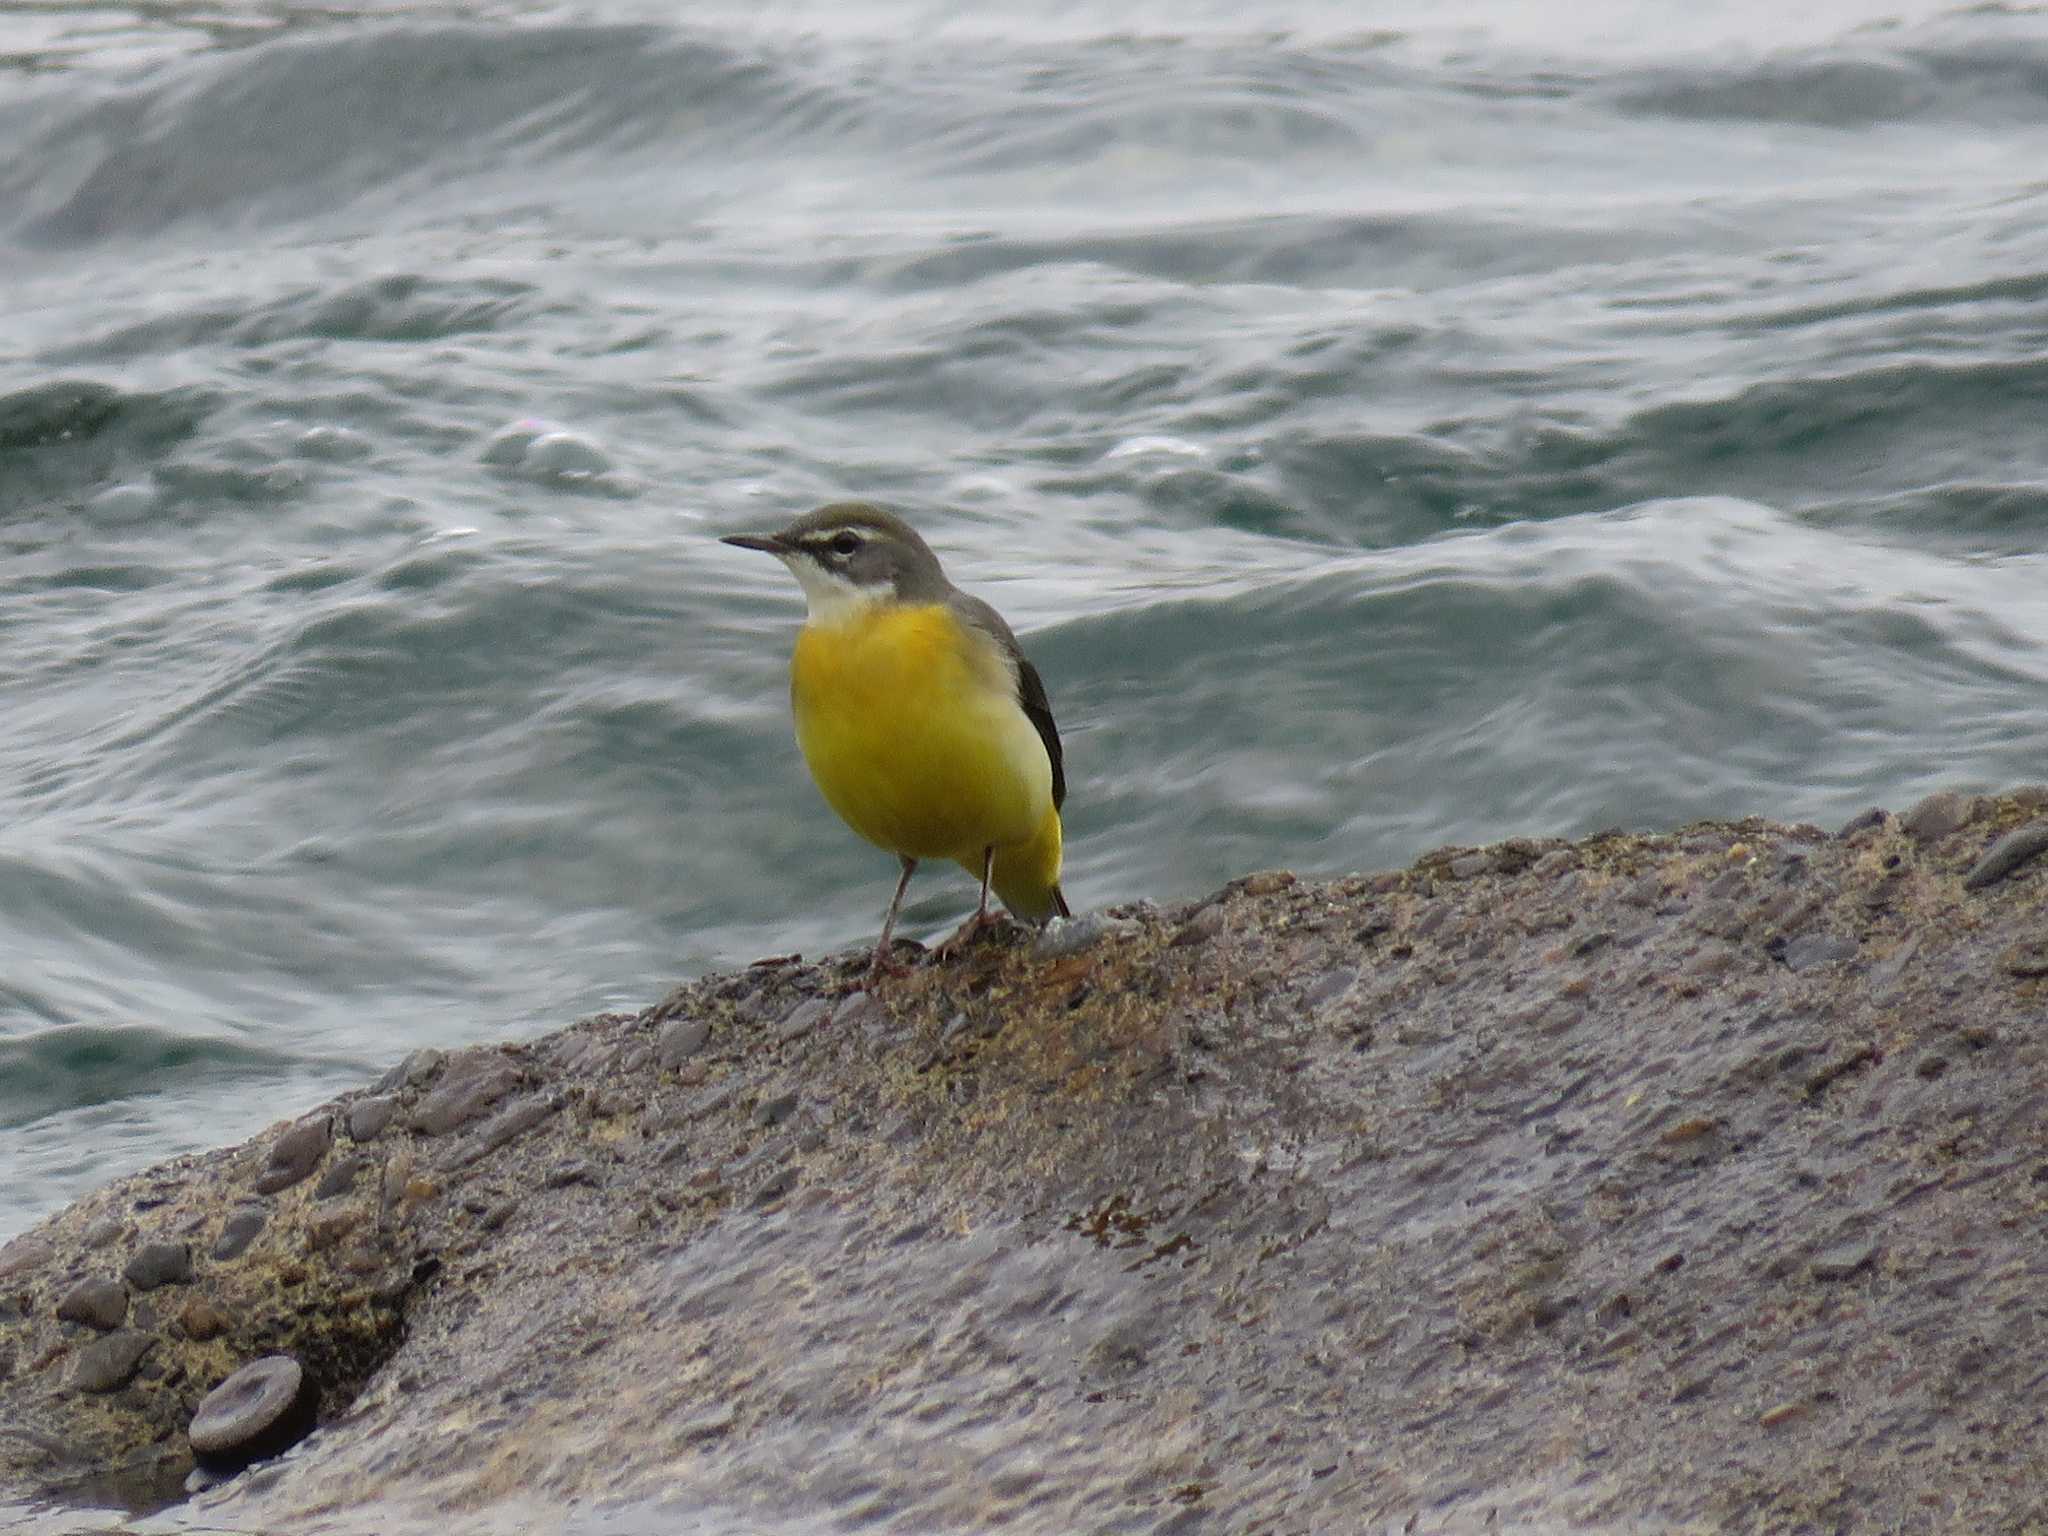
(1695, 1181)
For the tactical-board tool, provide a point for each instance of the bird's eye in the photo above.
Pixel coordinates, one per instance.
(845, 543)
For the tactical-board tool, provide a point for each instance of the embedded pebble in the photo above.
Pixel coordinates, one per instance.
(2027, 959)
(295, 1154)
(776, 1110)
(327, 1227)
(1553, 863)
(802, 1019)
(1470, 864)
(111, 1361)
(1065, 936)
(858, 1010)
(104, 1231)
(513, 1121)
(1842, 1260)
(369, 1118)
(341, 1178)
(201, 1319)
(239, 1231)
(161, 1263)
(464, 1096)
(1205, 925)
(413, 1071)
(1938, 815)
(100, 1303)
(1816, 949)
(680, 1039)
(262, 1409)
(2017, 847)
(23, 1254)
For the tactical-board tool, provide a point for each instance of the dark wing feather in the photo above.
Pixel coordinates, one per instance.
(1030, 686)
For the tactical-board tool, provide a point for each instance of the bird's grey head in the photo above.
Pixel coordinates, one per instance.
(852, 553)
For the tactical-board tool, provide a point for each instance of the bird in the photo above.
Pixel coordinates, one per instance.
(923, 723)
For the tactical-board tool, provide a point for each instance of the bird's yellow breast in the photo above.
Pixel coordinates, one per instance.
(909, 721)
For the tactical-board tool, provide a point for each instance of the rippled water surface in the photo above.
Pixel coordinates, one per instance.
(1473, 423)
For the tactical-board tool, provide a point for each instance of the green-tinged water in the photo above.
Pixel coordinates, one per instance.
(1381, 438)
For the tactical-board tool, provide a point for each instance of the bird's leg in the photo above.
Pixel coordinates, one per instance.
(981, 919)
(882, 965)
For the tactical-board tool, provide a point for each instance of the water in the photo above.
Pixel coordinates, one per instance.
(1487, 422)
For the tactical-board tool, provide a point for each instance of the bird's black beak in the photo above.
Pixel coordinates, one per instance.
(767, 543)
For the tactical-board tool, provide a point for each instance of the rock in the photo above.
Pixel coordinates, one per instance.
(157, 1264)
(101, 1302)
(265, 1407)
(413, 1072)
(1470, 865)
(1816, 949)
(2027, 959)
(201, 1319)
(369, 1118)
(1065, 936)
(341, 1178)
(773, 1111)
(105, 1231)
(859, 1010)
(1843, 1259)
(111, 1361)
(23, 1254)
(295, 1154)
(466, 1092)
(1862, 821)
(238, 1231)
(680, 1039)
(802, 1019)
(2016, 848)
(1939, 814)
(506, 1125)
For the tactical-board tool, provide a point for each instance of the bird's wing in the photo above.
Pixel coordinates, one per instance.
(1030, 686)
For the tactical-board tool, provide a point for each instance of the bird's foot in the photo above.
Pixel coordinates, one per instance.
(884, 962)
(966, 934)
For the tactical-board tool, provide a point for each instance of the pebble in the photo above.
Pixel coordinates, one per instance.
(1938, 815)
(506, 1125)
(1862, 821)
(369, 1118)
(23, 1254)
(1065, 936)
(1469, 865)
(679, 1040)
(162, 1263)
(111, 1361)
(1816, 949)
(327, 1227)
(859, 1010)
(1205, 925)
(802, 1019)
(201, 1320)
(413, 1071)
(564, 454)
(1843, 1260)
(105, 1231)
(776, 1110)
(2027, 959)
(341, 1178)
(2017, 847)
(263, 1408)
(100, 1303)
(239, 1231)
(295, 1154)
(464, 1095)
(1553, 863)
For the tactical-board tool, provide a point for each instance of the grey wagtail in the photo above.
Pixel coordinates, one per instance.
(922, 723)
